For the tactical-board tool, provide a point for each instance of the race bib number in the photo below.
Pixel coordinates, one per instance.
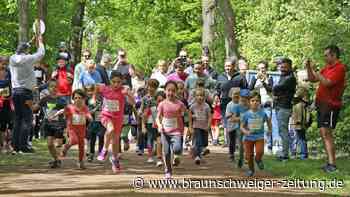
(201, 116)
(112, 105)
(151, 118)
(170, 123)
(38, 74)
(5, 92)
(255, 125)
(78, 119)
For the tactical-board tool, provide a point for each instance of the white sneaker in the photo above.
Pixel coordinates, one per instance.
(150, 160)
(159, 163)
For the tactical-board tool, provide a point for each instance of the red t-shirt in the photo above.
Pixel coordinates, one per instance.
(64, 87)
(332, 96)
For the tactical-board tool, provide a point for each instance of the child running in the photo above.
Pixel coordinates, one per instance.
(160, 97)
(53, 126)
(170, 124)
(149, 114)
(252, 126)
(215, 122)
(77, 115)
(234, 116)
(233, 122)
(112, 115)
(200, 119)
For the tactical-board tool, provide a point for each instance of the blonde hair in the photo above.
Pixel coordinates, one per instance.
(162, 63)
(233, 91)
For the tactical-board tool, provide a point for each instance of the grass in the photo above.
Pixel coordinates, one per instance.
(310, 170)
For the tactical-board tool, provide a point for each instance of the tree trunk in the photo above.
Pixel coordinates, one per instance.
(101, 44)
(77, 31)
(23, 32)
(208, 15)
(42, 10)
(229, 26)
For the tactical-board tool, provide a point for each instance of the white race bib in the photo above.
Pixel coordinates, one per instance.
(255, 124)
(170, 123)
(112, 105)
(153, 115)
(5, 92)
(38, 74)
(78, 119)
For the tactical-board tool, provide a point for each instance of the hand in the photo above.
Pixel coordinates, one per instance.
(40, 38)
(54, 74)
(246, 132)
(190, 130)
(144, 130)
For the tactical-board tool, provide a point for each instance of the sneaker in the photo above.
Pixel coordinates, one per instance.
(260, 164)
(115, 165)
(176, 161)
(240, 163)
(197, 160)
(150, 160)
(329, 168)
(167, 175)
(249, 173)
(54, 163)
(159, 163)
(81, 165)
(126, 146)
(102, 155)
(28, 150)
(293, 156)
(90, 158)
(282, 158)
(206, 152)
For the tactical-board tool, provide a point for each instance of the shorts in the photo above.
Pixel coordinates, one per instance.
(53, 131)
(118, 125)
(327, 117)
(215, 122)
(6, 119)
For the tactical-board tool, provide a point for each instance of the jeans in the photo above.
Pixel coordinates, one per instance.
(151, 136)
(268, 135)
(300, 140)
(95, 129)
(198, 141)
(224, 120)
(171, 144)
(283, 116)
(141, 139)
(23, 119)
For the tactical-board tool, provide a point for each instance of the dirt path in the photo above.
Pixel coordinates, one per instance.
(98, 179)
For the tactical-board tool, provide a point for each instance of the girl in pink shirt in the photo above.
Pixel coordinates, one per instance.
(77, 115)
(170, 124)
(112, 115)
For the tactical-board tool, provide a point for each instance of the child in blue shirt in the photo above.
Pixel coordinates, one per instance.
(252, 127)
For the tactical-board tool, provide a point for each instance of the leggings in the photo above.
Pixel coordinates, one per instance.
(249, 151)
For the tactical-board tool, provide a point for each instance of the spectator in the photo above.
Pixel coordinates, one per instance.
(283, 93)
(79, 68)
(328, 98)
(179, 74)
(122, 65)
(104, 68)
(90, 76)
(64, 78)
(23, 82)
(198, 73)
(161, 73)
(209, 69)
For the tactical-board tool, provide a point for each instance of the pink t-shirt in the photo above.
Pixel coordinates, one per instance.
(113, 102)
(172, 116)
(76, 118)
(175, 77)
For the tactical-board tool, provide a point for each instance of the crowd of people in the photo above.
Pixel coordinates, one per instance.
(181, 107)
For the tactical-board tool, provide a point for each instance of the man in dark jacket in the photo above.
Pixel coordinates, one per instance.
(283, 94)
(225, 82)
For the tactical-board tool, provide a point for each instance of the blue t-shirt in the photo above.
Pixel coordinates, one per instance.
(236, 110)
(254, 121)
(87, 78)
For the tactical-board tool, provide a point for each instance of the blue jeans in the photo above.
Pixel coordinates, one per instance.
(268, 136)
(171, 144)
(300, 140)
(198, 141)
(151, 135)
(23, 119)
(283, 116)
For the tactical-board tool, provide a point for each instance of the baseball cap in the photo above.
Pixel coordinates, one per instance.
(244, 93)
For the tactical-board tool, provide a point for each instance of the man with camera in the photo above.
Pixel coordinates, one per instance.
(122, 65)
(328, 98)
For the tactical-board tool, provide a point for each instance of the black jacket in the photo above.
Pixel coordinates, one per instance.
(284, 91)
(267, 86)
